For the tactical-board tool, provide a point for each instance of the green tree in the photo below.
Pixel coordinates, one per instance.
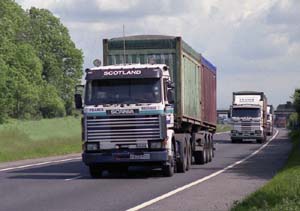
(51, 105)
(4, 99)
(297, 100)
(62, 61)
(27, 80)
(39, 64)
(296, 103)
(13, 34)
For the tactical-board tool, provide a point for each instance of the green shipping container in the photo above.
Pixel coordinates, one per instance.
(184, 63)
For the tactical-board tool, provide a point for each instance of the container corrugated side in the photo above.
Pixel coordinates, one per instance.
(190, 87)
(209, 94)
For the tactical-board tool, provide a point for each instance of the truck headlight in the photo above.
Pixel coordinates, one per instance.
(155, 145)
(233, 131)
(93, 146)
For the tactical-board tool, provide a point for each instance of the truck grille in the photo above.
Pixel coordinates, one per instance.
(249, 126)
(123, 129)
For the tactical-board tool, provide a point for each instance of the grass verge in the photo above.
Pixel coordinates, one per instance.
(223, 128)
(33, 139)
(283, 191)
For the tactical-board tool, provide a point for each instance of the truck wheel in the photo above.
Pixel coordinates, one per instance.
(207, 151)
(181, 162)
(199, 157)
(210, 150)
(189, 156)
(213, 147)
(95, 171)
(168, 170)
(259, 141)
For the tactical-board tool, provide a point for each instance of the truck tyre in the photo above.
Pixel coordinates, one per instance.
(200, 156)
(262, 140)
(207, 150)
(168, 170)
(189, 155)
(210, 150)
(234, 141)
(95, 171)
(212, 146)
(182, 161)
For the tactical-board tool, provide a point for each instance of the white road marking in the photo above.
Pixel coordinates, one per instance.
(39, 164)
(73, 178)
(173, 192)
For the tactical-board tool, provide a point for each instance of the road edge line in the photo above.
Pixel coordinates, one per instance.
(39, 164)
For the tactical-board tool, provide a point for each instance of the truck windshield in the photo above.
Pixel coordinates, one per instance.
(123, 91)
(246, 112)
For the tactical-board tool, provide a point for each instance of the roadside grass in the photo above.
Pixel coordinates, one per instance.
(283, 191)
(223, 128)
(33, 139)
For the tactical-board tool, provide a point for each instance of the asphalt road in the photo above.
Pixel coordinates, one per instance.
(68, 186)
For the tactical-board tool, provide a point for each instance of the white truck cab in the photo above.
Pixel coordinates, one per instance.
(248, 116)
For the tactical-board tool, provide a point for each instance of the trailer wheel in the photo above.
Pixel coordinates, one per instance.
(95, 171)
(200, 156)
(189, 155)
(210, 149)
(181, 162)
(206, 150)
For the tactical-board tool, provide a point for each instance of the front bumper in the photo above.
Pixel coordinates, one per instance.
(251, 135)
(126, 157)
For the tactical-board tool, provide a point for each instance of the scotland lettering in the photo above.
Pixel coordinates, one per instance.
(122, 72)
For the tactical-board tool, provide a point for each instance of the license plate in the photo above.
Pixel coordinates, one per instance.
(140, 157)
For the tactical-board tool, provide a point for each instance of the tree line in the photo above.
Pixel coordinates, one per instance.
(296, 117)
(39, 64)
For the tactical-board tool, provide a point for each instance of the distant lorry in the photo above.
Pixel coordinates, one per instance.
(249, 116)
(153, 104)
(270, 120)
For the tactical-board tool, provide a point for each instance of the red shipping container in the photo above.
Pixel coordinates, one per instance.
(208, 90)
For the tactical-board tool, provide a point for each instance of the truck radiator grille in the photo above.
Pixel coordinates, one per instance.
(249, 126)
(123, 129)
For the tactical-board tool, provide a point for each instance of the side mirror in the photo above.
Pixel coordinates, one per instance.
(77, 96)
(171, 96)
(78, 101)
(230, 112)
(170, 85)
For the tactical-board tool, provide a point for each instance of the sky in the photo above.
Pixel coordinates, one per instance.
(254, 44)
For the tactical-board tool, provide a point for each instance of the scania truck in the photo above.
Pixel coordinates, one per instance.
(249, 116)
(152, 103)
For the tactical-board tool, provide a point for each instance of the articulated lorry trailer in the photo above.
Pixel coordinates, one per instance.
(249, 116)
(270, 120)
(153, 103)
